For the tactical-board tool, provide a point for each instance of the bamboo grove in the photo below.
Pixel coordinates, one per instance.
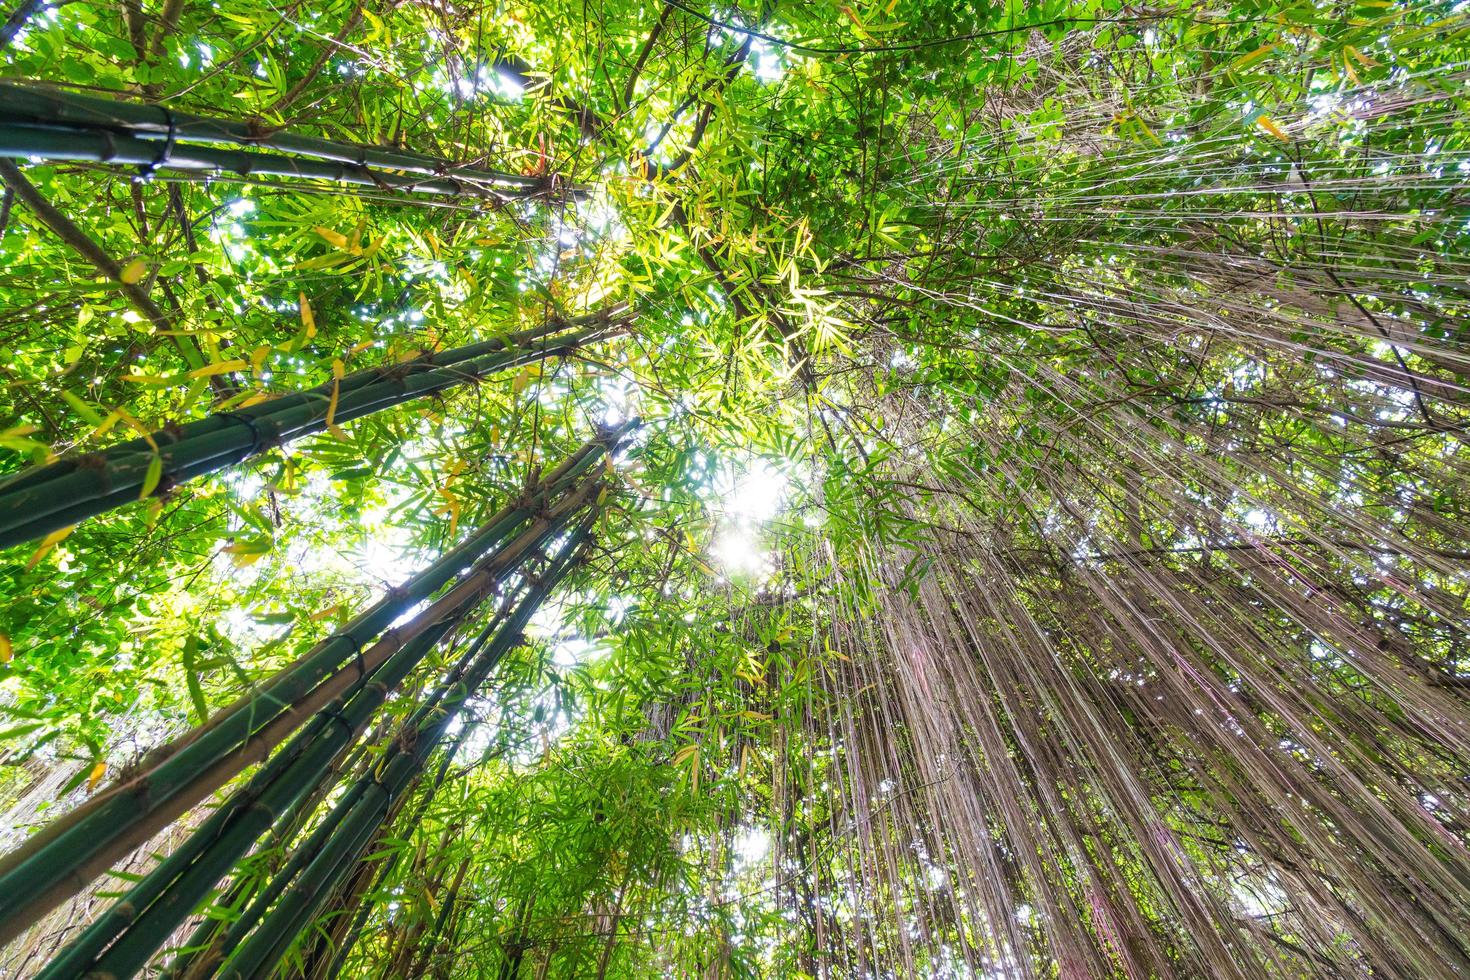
(901, 489)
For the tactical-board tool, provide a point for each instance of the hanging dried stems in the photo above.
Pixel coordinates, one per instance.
(1155, 663)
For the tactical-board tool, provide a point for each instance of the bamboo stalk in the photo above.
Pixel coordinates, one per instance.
(60, 494)
(104, 146)
(24, 105)
(63, 858)
(242, 887)
(361, 815)
(251, 813)
(140, 922)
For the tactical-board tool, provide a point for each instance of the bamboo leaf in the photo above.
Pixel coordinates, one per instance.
(133, 272)
(152, 477)
(338, 370)
(47, 543)
(308, 319)
(1259, 54)
(191, 679)
(87, 412)
(334, 238)
(220, 367)
(1270, 126)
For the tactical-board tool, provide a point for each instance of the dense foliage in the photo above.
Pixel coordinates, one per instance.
(1043, 552)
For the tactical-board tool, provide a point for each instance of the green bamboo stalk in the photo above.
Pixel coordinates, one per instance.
(328, 957)
(150, 912)
(60, 494)
(609, 320)
(241, 890)
(165, 129)
(429, 941)
(177, 885)
(197, 955)
(63, 858)
(363, 812)
(216, 947)
(334, 966)
(122, 149)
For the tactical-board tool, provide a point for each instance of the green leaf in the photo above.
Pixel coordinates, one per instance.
(191, 679)
(152, 477)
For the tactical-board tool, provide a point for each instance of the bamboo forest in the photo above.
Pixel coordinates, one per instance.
(806, 489)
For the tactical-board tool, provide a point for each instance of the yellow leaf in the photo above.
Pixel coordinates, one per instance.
(95, 776)
(334, 238)
(1360, 57)
(248, 552)
(133, 272)
(7, 652)
(112, 419)
(308, 320)
(219, 367)
(1143, 128)
(47, 543)
(323, 262)
(338, 369)
(137, 427)
(147, 379)
(1269, 125)
(862, 29)
(326, 613)
(1246, 61)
